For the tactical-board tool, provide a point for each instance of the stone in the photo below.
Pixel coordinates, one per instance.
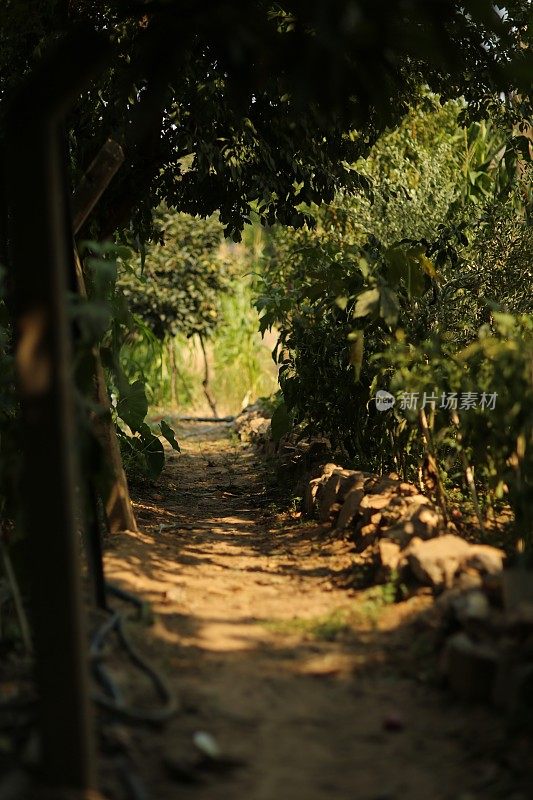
(364, 537)
(370, 482)
(375, 501)
(470, 667)
(412, 502)
(407, 489)
(310, 495)
(350, 507)
(349, 481)
(408, 517)
(337, 486)
(485, 559)
(328, 496)
(388, 554)
(429, 518)
(414, 515)
(402, 533)
(468, 579)
(385, 485)
(329, 468)
(434, 562)
(320, 487)
(471, 607)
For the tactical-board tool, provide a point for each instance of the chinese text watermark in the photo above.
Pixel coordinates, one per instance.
(448, 401)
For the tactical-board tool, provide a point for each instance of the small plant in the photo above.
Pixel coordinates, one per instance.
(371, 602)
(327, 628)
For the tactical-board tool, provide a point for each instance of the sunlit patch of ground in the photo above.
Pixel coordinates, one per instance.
(318, 691)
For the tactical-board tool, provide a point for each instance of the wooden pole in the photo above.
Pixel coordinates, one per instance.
(39, 253)
(116, 496)
(116, 499)
(95, 181)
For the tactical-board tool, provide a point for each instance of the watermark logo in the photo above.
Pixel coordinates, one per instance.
(449, 401)
(384, 400)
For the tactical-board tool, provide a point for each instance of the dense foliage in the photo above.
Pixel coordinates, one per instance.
(427, 294)
(260, 103)
(178, 286)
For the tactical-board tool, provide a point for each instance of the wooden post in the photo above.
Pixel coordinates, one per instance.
(117, 502)
(116, 499)
(39, 253)
(95, 181)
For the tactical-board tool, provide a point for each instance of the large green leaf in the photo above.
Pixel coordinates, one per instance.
(367, 302)
(151, 450)
(132, 406)
(168, 434)
(281, 422)
(389, 307)
(409, 266)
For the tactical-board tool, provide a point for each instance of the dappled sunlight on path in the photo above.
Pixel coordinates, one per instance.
(256, 633)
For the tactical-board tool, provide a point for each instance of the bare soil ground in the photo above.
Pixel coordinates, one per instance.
(312, 691)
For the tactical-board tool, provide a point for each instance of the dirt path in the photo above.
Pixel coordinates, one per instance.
(252, 633)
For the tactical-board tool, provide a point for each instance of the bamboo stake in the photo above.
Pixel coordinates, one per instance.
(432, 461)
(469, 472)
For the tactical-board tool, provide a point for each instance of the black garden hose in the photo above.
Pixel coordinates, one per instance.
(110, 697)
(111, 700)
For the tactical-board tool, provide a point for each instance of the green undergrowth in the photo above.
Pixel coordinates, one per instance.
(341, 622)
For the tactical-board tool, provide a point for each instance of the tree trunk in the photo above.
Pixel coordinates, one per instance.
(205, 382)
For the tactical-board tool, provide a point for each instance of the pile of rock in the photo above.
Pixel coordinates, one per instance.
(253, 424)
(488, 648)
(401, 529)
(298, 452)
(483, 612)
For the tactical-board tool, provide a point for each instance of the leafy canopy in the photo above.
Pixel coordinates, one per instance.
(223, 106)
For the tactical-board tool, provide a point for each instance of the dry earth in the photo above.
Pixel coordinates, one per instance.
(309, 692)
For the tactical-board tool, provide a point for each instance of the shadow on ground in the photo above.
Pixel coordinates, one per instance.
(310, 692)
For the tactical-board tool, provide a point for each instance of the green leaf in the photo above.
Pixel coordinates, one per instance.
(168, 434)
(367, 302)
(356, 352)
(103, 275)
(409, 266)
(281, 422)
(151, 450)
(133, 405)
(363, 266)
(389, 306)
(94, 319)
